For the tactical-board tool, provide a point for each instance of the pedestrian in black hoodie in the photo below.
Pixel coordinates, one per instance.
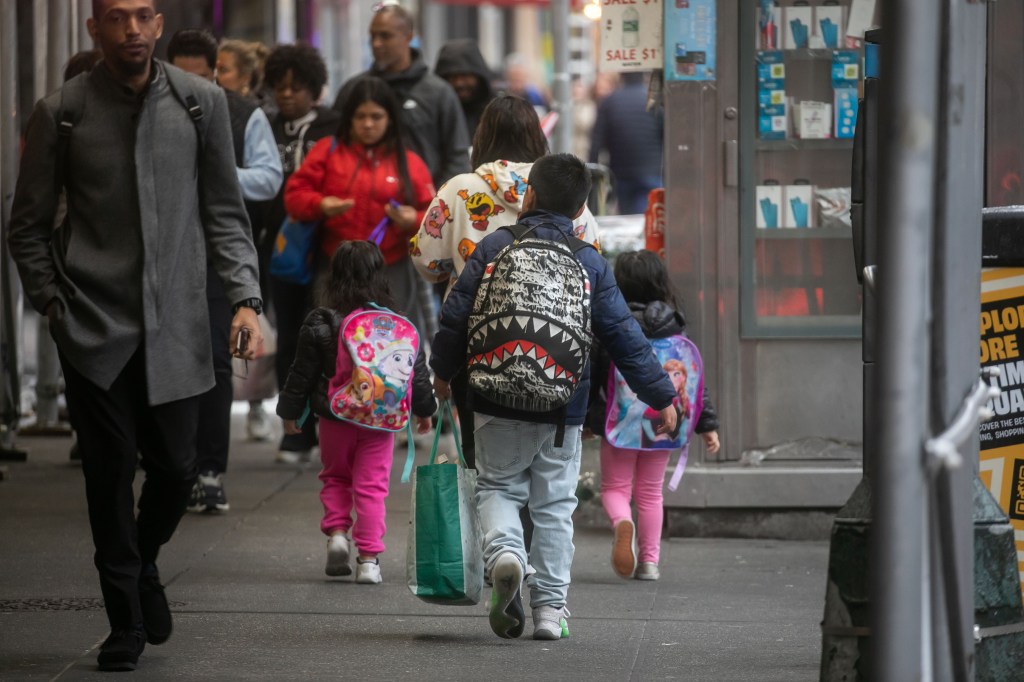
(460, 63)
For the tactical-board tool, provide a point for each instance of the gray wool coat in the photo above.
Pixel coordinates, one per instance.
(147, 205)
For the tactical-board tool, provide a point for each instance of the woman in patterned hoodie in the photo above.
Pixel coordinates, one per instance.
(470, 206)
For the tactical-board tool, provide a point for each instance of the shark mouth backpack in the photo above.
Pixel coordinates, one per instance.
(632, 425)
(377, 393)
(529, 331)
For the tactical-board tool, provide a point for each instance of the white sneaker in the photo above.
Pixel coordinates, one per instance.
(368, 571)
(257, 424)
(549, 622)
(291, 456)
(647, 570)
(337, 556)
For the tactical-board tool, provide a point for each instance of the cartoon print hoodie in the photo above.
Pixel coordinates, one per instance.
(471, 206)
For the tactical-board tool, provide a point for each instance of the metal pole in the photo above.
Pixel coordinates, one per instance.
(955, 361)
(909, 117)
(561, 93)
(10, 292)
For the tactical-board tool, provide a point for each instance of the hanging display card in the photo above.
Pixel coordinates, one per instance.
(691, 28)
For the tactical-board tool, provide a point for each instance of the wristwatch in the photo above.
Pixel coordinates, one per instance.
(255, 303)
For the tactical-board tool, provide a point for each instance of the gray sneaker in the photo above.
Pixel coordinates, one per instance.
(647, 570)
(549, 622)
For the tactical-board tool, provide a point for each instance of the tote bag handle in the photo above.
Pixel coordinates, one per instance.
(444, 413)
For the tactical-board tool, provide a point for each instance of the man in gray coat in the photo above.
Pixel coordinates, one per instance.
(144, 153)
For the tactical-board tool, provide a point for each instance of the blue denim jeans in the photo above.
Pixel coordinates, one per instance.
(518, 462)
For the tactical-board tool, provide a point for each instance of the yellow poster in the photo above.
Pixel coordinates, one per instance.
(1002, 437)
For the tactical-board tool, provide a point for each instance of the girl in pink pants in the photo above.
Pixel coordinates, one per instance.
(326, 378)
(637, 475)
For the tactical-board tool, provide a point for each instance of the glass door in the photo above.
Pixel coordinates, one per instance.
(799, 89)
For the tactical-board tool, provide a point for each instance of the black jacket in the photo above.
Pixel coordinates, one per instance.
(658, 321)
(315, 361)
(462, 56)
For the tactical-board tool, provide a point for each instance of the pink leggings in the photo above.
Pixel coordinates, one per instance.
(357, 468)
(618, 468)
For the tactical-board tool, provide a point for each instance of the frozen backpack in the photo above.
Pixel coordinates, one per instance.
(529, 330)
(632, 425)
(377, 392)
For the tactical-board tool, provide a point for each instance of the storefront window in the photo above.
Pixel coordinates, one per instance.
(799, 83)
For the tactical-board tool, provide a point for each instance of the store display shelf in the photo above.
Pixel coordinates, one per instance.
(804, 233)
(798, 145)
(809, 54)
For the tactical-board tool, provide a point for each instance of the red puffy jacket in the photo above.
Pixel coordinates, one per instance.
(368, 175)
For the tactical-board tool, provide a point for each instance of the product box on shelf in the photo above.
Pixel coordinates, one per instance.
(829, 24)
(769, 16)
(845, 100)
(812, 120)
(845, 68)
(770, 93)
(770, 66)
(798, 205)
(768, 198)
(797, 22)
(771, 122)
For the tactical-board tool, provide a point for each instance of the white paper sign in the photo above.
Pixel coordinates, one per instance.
(631, 35)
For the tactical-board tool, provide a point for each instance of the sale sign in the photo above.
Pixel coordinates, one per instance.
(631, 35)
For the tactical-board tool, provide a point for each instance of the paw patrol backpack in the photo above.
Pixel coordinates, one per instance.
(377, 393)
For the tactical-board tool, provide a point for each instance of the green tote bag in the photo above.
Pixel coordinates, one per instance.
(444, 563)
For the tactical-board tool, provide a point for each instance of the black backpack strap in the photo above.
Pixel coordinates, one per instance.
(72, 107)
(518, 230)
(184, 93)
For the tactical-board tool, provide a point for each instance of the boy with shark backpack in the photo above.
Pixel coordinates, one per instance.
(520, 319)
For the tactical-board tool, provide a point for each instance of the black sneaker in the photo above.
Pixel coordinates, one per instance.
(156, 612)
(208, 494)
(121, 650)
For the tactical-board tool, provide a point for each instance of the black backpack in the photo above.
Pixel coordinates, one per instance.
(529, 332)
(72, 106)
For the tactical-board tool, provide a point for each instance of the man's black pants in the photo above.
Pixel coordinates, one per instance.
(114, 426)
(214, 434)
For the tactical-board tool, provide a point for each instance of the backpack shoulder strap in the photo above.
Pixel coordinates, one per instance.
(185, 94)
(72, 107)
(518, 230)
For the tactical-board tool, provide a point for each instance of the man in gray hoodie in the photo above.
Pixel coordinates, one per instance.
(431, 114)
(144, 153)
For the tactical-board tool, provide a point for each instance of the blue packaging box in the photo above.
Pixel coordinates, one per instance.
(771, 93)
(770, 66)
(845, 68)
(845, 108)
(771, 122)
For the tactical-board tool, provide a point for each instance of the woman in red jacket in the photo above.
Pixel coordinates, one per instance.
(364, 185)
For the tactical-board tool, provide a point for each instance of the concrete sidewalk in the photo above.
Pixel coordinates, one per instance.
(251, 601)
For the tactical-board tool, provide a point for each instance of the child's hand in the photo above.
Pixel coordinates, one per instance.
(587, 434)
(441, 389)
(332, 206)
(669, 419)
(711, 441)
(291, 427)
(423, 424)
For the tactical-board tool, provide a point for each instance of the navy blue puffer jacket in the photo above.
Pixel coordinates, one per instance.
(610, 320)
